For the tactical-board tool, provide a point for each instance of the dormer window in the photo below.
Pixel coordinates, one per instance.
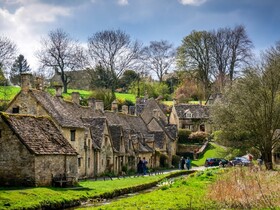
(188, 114)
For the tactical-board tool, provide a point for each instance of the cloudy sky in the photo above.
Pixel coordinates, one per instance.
(27, 21)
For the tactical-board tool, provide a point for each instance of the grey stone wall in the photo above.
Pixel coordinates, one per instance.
(17, 165)
(48, 166)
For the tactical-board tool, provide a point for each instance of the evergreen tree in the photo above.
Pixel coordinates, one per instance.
(19, 66)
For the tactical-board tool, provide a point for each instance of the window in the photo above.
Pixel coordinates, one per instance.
(15, 110)
(72, 135)
(88, 162)
(0, 133)
(79, 162)
(188, 114)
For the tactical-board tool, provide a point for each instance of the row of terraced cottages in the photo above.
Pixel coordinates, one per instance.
(44, 136)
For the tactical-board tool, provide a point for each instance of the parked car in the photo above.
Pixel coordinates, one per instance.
(240, 161)
(215, 162)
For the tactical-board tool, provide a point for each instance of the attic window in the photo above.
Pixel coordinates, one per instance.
(15, 110)
(72, 135)
(188, 114)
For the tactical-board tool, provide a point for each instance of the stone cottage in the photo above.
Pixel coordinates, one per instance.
(194, 117)
(154, 116)
(106, 141)
(33, 151)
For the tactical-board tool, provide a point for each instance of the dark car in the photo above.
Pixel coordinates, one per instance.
(215, 162)
(240, 161)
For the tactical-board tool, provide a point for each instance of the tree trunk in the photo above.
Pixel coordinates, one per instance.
(267, 158)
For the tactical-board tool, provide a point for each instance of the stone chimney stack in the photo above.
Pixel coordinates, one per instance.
(26, 82)
(39, 83)
(156, 113)
(58, 90)
(96, 104)
(76, 97)
(124, 109)
(114, 106)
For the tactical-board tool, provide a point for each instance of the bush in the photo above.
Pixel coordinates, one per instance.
(175, 160)
(183, 135)
(198, 137)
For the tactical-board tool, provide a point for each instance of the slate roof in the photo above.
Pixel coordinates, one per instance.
(116, 135)
(159, 139)
(97, 127)
(39, 134)
(128, 122)
(65, 113)
(197, 111)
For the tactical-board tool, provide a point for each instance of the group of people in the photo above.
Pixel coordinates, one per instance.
(142, 166)
(184, 162)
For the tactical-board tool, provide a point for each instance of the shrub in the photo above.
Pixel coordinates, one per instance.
(198, 137)
(183, 135)
(175, 160)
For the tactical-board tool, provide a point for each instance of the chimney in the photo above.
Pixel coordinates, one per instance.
(114, 106)
(76, 97)
(58, 90)
(25, 82)
(96, 104)
(124, 109)
(156, 113)
(39, 83)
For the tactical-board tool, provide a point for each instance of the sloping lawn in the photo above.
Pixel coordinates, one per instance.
(213, 150)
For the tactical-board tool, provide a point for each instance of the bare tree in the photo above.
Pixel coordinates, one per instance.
(221, 54)
(240, 49)
(61, 53)
(7, 51)
(114, 50)
(195, 55)
(159, 57)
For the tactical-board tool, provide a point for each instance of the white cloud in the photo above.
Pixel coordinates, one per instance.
(28, 23)
(192, 2)
(123, 2)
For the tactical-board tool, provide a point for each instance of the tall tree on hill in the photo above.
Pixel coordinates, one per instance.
(159, 57)
(195, 55)
(249, 114)
(115, 51)
(19, 66)
(7, 52)
(61, 53)
(231, 48)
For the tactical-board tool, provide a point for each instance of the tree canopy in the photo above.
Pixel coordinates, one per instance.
(249, 114)
(19, 66)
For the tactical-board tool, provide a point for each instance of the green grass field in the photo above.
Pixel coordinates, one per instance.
(25, 198)
(188, 192)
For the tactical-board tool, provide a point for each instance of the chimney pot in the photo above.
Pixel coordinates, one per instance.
(58, 90)
(75, 97)
(25, 81)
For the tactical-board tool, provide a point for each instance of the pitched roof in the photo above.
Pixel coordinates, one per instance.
(128, 122)
(116, 134)
(65, 113)
(38, 134)
(197, 111)
(159, 139)
(97, 127)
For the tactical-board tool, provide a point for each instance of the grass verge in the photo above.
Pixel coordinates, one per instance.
(213, 151)
(54, 198)
(181, 193)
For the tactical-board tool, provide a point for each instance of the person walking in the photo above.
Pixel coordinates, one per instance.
(145, 168)
(140, 167)
(182, 163)
(188, 163)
